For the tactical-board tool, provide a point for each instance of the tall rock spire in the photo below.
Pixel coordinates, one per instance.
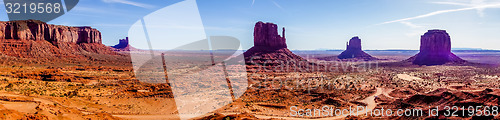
(283, 33)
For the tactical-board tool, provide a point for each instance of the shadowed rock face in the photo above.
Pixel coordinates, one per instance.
(266, 35)
(123, 43)
(38, 30)
(435, 49)
(354, 44)
(354, 50)
(268, 42)
(270, 52)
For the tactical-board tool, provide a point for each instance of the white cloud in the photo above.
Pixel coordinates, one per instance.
(451, 3)
(473, 3)
(497, 5)
(277, 5)
(409, 24)
(129, 3)
(416, 29)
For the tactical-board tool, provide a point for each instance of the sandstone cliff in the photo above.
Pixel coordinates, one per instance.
(38, 30)
(270, 52)
(435, 49)
(266, 35)
(40, 42)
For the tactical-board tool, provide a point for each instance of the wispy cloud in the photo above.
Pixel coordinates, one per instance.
(473, 3)
(451, 3)
(278, 5)
(128, 2)
(415, 29)
(443, 12)
(253, 2)
(409, 24)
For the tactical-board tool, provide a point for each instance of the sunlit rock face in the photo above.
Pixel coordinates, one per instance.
(435, 49)
(38, 30)
(354, 50)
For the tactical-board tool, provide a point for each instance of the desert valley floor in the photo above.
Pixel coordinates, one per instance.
(33, 89)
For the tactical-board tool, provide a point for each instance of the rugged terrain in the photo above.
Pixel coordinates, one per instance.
(71, 75)
(61, 72)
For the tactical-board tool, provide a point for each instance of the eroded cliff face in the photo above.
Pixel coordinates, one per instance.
(435, 42)
(266, 35)
(435, 49)
(40, 42)
(270, 52)
(38, 30)
(354, 44)
(354, 50)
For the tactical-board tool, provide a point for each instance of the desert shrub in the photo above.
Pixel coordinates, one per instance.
(10, 85)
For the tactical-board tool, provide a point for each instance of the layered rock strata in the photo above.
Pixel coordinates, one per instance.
(38, 30)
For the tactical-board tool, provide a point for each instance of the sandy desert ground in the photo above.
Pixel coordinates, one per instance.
(110, 90)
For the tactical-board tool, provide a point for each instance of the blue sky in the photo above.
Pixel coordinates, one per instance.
(311, 24)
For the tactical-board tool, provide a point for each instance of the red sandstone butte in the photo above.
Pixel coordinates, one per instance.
(270, 52)
(353, 50)
(435, 49)
(266, 35)
(123, 45)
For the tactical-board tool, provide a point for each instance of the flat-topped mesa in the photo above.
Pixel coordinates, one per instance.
(353, 50)
(435, 49)
(435, 42)
(38, 30)
(266, 35)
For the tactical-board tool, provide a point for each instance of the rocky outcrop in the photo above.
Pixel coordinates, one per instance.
(435, 49)
(38, 30)
(354, 50)
(123, 45)
(354, 44)
(266, 35)
(270, 52)
(45, 43)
